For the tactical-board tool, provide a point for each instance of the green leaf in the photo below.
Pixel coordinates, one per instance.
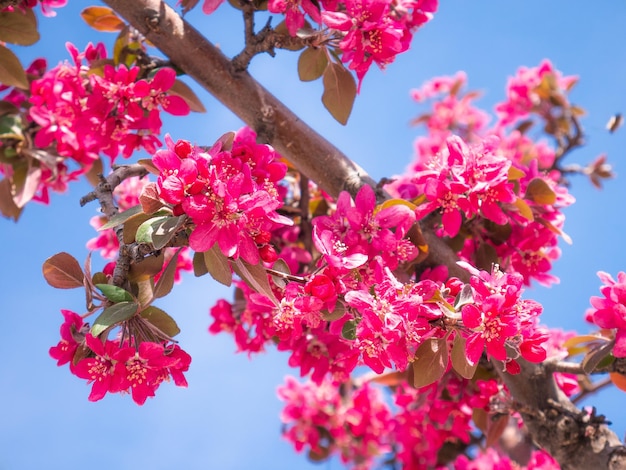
(113, 315)
(431, 362)
(19, 27)
(63, 271)
(121, 217)
(459, 358)
(160, 320)
(540, 192)
(256, 277)
(166, 281)
(218, 266)
(339, 92)
(312, 63)
(159, 230)
(348, 331)
(114, 293)
(11, 71)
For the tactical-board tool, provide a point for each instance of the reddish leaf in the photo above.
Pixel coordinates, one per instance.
(540, 192)
(102, 19)
(149, 199)
(431, 362)
(618, 380)
(188, 5)
(339, 92)
(146, 268)
(63, 271)
(256, 277)
(218, 266)
(8, 208)
(496, 424)
(19, 27)
(11, 71)
(459, 358)
(181, 89)
(312, 63)
(26, 189)
(199, 265)
(93, 175)
(161, 320)
(166, 281)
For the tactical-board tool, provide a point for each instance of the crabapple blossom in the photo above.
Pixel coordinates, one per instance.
(230, 192)
(609, 311)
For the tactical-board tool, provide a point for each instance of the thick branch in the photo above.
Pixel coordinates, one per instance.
(575, 438)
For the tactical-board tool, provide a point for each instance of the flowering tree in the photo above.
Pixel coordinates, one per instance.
(417, 281)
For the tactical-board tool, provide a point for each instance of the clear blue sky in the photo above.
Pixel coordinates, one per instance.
(228, 417)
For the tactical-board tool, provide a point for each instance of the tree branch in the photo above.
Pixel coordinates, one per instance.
(575, 438)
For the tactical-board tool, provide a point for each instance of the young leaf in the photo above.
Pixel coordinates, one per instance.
(431, 362)
(112, 315)
(149, 198)
(19, 27)
(496, 424)
(595, 355)
(132, 224)
(161, 320)
(146, 268)
(115, 294)
(459, 359)
(11, 71)
(166, 282)
(339, 92)
(312, 63)
(256, 277)
(181, 89)
(102, 19)
(121, 217)
(540, 192)
(63, 271)
(8, 208)
(199, 265)
(218, 266)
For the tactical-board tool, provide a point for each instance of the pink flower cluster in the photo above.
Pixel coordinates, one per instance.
(380, 321)
(609, 311)
(375, 31)
(498, 319)
(429, 417)
(370, 31)
(83, 109)
(46, 6)
(354, 424)
(127, 196)
(492, 459)
(483, 181)
(118, 366)
(230, 193)
(534, 89)
(354, 421)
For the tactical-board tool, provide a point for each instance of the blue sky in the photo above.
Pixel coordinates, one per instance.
(228, 417)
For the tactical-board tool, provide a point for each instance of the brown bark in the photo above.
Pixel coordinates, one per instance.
(575, 438)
